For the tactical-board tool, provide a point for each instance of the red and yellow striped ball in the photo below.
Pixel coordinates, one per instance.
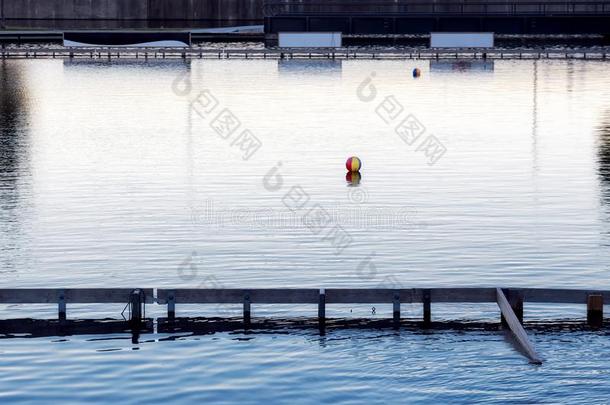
(353, 164)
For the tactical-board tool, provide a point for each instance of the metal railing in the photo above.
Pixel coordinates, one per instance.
(379, 7)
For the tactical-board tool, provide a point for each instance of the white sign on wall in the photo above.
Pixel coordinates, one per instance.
(461, 40)
(309, 39)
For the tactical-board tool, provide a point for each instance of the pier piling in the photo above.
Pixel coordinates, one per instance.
(136, 306)
(171, 305)
(322, 311)
(427, 301)
(396, 309)
(595, 310)
(61, 300)
(247, 311)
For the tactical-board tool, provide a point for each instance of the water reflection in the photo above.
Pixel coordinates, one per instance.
(176, 66)
(12, 101)
(603, 158)
(13, 160)
(310, 67)
(461, 66)
(353, 178)
(535, 118)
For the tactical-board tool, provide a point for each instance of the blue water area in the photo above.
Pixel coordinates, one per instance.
(346, 367)
(231, 173)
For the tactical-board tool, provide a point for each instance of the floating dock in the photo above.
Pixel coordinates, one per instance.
(509, 300)
(287, 53)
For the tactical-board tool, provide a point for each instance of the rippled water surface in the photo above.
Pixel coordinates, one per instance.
(111, 174)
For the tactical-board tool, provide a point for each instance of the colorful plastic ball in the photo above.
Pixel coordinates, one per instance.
(416, 72)
(353, 164)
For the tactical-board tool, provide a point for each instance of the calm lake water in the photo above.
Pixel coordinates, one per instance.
(134, 174)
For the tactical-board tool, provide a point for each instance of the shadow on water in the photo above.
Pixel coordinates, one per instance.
(14, 161)
(180, 327)
(178, 66)
(461, 66)
(12, 106)
(299, 67)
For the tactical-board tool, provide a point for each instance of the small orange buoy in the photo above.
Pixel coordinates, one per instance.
(416, 72)
(353, 164)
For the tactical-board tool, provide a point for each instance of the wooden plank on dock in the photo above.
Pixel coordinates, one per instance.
(516, 327)
(295, 295)
(71, 295)
(236, 296)
(372, 295)
(466, 295)
(562, 296)
(409, 295)
(333, 295)
(367, 295)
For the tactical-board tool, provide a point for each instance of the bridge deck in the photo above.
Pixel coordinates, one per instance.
(407, 17)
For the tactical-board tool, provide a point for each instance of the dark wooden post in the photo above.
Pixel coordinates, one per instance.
(247, 317)
(427, 307)
(136, 303)
(2, 25)
(322, 311)
(595, 310)
(171, 306)
(396, 311)
(61, 300)
(515, 299)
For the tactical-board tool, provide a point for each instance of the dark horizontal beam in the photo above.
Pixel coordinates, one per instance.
(369, 296)
(293, 295)
(236, 296)
(405, 7)
(71, 295)
(424, 23)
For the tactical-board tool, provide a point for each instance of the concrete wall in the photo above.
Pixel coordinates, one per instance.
(126, 13)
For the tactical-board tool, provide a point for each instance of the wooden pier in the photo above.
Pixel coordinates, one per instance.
(301, 53)
(509, 300)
